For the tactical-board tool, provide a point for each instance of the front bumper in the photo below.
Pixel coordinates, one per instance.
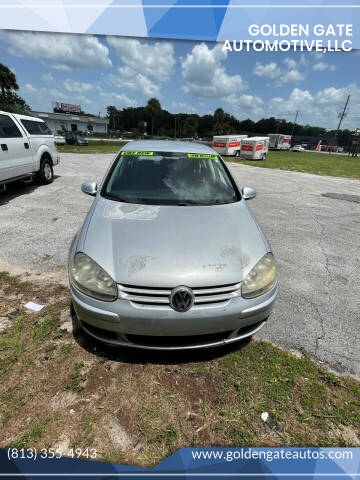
(123, 323)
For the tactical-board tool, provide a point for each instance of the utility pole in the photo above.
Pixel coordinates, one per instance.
(113, 125)
(355, 144)
(294, 123)
(342, 115)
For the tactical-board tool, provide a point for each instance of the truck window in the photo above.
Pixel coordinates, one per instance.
(36, 128)
(8, 129)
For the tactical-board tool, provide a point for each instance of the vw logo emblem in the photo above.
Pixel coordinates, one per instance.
(181, 299)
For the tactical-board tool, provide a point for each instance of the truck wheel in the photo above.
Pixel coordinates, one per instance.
(264, 156)
(46, 173)
(237, 153)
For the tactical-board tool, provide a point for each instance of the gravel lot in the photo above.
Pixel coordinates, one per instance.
(315, 239)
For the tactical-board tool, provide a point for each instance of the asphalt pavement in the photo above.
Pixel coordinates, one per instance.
(315, 239)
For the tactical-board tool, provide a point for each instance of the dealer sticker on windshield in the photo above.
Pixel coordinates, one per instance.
(136, 153)
(202, 155)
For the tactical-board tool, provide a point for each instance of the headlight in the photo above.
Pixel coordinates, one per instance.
(91, 279)
(261, 278)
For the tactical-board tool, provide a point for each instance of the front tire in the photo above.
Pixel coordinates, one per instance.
(45, 175)
(237, 153)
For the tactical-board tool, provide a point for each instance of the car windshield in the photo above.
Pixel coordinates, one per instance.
(165, 178)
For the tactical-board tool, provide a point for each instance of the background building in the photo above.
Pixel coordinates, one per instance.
(73, 122)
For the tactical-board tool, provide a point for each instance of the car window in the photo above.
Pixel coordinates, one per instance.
(166, 178)
(8, 129)
(36, 128)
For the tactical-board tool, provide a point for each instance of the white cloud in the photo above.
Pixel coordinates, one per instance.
(57, 94)
(119, 100)
(332, 96)
(66, 51)
(30, 88)
(289, 73)
(74, 86)
(297, 100)
(204, 74)
(270, 70)
(291, 76)
(290, 63)
(182, 107)
(303, 62)
(324, 105)
(55, 66)
(154, 59)
(245, 104)
(127, 78)
(321, 66)
(48, 77)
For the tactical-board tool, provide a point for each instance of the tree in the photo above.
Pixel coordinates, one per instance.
(112, 114)
(13, 103)
(9, 100)
(190, 126)
(219, 115)
(247, 125)
(7, 80)
(153, 108)
(130, 119)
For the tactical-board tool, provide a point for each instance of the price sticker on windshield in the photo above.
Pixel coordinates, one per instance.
(136, 153)
(202, 155)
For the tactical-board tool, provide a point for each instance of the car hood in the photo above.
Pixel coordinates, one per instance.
(166, 246)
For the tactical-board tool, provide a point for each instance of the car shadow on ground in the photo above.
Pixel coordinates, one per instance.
(139, 356)
(17, 189)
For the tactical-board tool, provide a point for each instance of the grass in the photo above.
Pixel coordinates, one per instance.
(317, 163)
(66, 392)
(77, 378)
(93, 147)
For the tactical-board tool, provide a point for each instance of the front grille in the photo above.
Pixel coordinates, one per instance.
(160, 297)
(165, 342)
(180, 341)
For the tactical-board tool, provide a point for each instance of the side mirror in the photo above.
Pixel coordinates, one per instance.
(248, 193)
(90, 188)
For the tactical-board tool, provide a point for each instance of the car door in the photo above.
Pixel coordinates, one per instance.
(15, 154)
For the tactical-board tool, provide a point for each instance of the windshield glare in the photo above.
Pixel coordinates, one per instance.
(164, 178)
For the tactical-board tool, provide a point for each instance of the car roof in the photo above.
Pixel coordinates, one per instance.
(167, 146)
(20, 116)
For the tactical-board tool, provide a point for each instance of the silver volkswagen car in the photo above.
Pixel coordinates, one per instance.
(170, 256)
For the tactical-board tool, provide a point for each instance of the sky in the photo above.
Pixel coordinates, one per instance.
(186, 77)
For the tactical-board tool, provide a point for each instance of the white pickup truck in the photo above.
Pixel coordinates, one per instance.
(27, 149)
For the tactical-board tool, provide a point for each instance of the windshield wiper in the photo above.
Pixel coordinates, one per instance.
(202, 204)
(119, 199)
(122, 199)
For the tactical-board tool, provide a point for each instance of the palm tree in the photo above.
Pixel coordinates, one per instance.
(219, 115)
(7, 79)
(153, 107)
